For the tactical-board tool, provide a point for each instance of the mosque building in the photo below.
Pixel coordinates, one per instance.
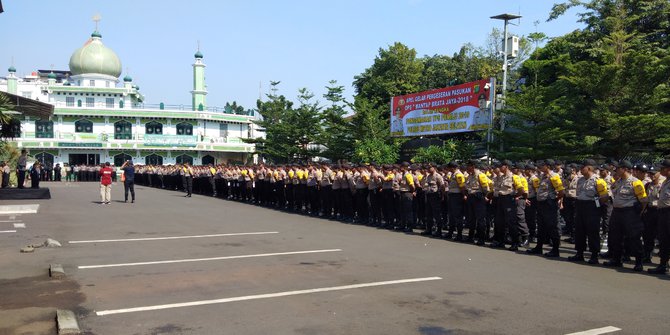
(100, 118)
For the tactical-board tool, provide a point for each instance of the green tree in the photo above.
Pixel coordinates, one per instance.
(395, 71)
(274, 121)
(372, 136)
(615, 76)
(336, 133)
(449, 151)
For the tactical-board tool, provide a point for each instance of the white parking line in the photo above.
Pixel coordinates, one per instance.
(264, 296)
(7, 231)
(8, 221)
(597, 331)
(173, 237)
(19, 225)
(207, 259)
(19, 209)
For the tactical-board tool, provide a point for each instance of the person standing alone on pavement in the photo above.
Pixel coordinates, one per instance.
(106, 184)
(129, 182)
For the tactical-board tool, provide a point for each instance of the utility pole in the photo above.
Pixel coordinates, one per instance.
(506, 18)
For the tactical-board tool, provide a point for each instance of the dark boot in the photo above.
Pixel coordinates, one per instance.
(579, 257)
(556, 242)
(594, 259)
(659, 270)
(638, 265)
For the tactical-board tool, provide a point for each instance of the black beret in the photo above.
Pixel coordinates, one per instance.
(506, 162)
(530, 166)
(452, 164)
(665, 163)
(541, 163)
(550, 162)
(520, 166)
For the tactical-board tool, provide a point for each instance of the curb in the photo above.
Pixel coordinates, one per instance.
(56, 271)
(67, 322)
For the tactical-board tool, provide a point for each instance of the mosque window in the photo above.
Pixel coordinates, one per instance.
(91, 83)
(44, 129)
(153, 127)
(109, 102)
(181, 159)
(153, 159)
(83, 126)
(184, 129)
(90, 102)
(107, 84)
(123, 130)
(69, 101)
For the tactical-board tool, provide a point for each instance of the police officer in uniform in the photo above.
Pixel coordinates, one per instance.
(506, 206)
(663, 218)
(591, 192)
(456, 202)
(629, 200)
(477, 186)
(433, 184)
(407, 189)
(550, 192)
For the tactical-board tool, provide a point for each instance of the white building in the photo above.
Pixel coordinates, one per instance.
(99, 118)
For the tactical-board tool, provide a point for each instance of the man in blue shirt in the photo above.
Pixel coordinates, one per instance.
(129, 182)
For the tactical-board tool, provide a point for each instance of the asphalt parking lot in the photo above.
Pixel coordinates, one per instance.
(174, 265)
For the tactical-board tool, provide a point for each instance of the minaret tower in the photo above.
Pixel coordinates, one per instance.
(199, 90)
(12, 80)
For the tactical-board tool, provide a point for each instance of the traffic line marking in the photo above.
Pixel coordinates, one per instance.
(597, 331)
(7, 231)
(19, 225)
(264, 296)
(8, 221)
(172, 237)
(207, 259)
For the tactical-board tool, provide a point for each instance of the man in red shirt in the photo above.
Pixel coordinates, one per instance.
(106, 183)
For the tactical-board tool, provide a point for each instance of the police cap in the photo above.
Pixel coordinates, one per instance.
(452, 164)
(665, 163)
(589, 162)
(625, 164)
(506, 162)
(550, 162)
(641, 167)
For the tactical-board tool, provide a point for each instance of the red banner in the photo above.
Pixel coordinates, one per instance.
(457, 108)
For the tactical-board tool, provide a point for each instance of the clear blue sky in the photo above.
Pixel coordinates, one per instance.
(302, 43)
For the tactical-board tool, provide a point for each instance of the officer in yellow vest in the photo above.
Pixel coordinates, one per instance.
(550, 192)
(663, 223)
(629, 198)
(591, 193)
(188, 179)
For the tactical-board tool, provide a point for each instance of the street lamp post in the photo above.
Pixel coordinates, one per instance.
(506, 18)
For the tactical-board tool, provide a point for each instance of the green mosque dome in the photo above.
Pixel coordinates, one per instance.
(127, 78)
(51, 75)
(198, 54)
(11, 69)
(95, 57)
